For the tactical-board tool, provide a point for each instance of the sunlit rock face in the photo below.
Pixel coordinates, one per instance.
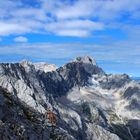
(45, 67)
(88, 103)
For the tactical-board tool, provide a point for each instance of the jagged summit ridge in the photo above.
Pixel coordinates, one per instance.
(85, 59)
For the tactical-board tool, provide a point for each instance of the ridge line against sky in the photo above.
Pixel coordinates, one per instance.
(52, 30)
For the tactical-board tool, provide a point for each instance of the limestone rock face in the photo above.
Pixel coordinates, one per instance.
(89, 65)
(85, 59)
(88, 103)
(21, 79)
(20, 121)
(42, 66)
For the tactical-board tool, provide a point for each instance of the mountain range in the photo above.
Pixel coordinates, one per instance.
(85, 102)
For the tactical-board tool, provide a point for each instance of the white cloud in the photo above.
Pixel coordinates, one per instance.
(63, 18)
(12, 28)
(103, 9)
(70, 32)
(21, 39)
(79, 28)
(20, 26)
(75, 24)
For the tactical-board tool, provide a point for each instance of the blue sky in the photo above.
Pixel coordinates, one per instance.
(56, 31)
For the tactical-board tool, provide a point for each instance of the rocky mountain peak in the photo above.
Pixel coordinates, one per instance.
(25, 63)
(85, 59)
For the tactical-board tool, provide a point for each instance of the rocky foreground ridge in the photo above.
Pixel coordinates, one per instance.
(85, 102)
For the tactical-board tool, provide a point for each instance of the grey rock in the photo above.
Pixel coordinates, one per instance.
(28, 90)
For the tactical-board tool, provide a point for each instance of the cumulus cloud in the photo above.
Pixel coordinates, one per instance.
(66, 18)
(79, 28)
(103, 9)
(12, 28)
(21, 39)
